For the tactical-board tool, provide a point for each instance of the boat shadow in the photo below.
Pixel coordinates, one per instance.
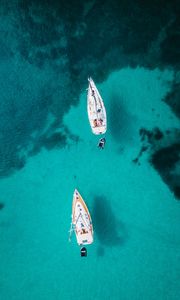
(109, 230)
(121, 121)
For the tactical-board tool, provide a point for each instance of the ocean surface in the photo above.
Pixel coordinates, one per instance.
(132, 187)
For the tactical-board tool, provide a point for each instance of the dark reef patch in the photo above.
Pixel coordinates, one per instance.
(118, 27)
(142, 150)
(171, 45)
(164, 155)
(51, 140)
(149, 139)
(109, 230)
(166, 161)
(176, 190)
(173, 97)
(56, 140)
(151, 136)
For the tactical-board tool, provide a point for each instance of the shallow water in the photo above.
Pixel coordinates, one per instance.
(47, 150)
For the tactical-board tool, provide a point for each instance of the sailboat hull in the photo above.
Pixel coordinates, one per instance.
(96, 110)
(81, 220)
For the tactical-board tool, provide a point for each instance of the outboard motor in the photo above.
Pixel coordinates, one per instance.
(83, 251)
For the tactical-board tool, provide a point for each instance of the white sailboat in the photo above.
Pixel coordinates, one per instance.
(96, 109)
(81, 222)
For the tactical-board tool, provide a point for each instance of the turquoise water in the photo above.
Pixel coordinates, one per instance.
(48, 150)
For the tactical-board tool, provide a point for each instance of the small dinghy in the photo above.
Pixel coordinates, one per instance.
(81, 222)
(96, 109)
